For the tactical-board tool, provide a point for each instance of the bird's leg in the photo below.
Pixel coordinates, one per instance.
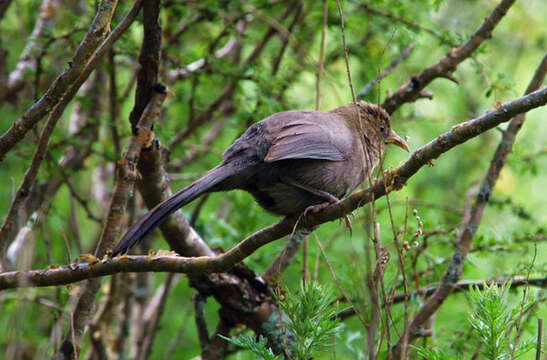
(330, 199)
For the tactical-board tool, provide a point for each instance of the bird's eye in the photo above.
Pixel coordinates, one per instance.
(382, 128)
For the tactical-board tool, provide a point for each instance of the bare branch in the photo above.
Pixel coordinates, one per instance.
(27, 62)
(65, 87)
(473, 217)
(460, 286)
(410, 91)
(366, 89)
(395, 179)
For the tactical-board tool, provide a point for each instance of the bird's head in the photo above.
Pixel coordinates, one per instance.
(377, 119)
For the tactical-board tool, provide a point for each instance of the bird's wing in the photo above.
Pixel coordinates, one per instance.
(309, 138)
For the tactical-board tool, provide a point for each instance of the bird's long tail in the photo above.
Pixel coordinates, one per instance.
(161, 212)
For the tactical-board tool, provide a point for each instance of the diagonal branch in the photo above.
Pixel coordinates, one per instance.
(27, 61)
(472, 219)
(65, 87)
(412, 89)
(53, 117)
(460, 286)
(124, 186)
(394, 179)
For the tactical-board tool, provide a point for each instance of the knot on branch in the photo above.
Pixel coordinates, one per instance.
(454, 269)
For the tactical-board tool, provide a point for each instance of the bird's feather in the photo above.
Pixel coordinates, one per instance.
(312, 136)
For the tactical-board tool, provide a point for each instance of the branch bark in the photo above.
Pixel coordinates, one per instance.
(473, 217)
(124, 186)
(27, 61)
(395, 180)
(412, 90)
(77, 67)
(460, 286)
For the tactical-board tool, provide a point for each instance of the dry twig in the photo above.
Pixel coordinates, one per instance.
(473, 216)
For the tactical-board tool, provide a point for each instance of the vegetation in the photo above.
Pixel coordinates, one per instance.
(446, 257)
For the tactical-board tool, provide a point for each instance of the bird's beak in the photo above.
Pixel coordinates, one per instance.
(393, 138)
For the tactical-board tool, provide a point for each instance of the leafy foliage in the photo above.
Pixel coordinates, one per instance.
(311, 319)
(256, 346)
(494, 320)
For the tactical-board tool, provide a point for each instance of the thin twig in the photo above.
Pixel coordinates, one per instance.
(71, 79)
(539, 338)
(366, 89)
(412, 90)
(473, 217)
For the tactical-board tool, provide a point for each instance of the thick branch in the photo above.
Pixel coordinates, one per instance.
(410, 91)
(473, 218)
(149, 60)
(124, 186)
(172, 263)
(395, 179)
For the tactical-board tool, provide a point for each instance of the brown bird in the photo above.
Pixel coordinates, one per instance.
(290, 162)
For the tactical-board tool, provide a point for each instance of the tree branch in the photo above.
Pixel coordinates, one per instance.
(473, 217)
(460, 286)
(27, 60)
(411, 90)
(395, 180)
(71, 79)
(124, 186)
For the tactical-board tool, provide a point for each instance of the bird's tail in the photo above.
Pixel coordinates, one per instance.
(161, 212)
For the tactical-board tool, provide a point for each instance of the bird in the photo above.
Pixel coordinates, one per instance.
(291, 162)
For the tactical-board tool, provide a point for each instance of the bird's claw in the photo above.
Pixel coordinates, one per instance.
(348, 224)
(314, 209)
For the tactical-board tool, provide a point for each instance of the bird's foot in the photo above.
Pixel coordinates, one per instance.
(348, 224)
(314, 209)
